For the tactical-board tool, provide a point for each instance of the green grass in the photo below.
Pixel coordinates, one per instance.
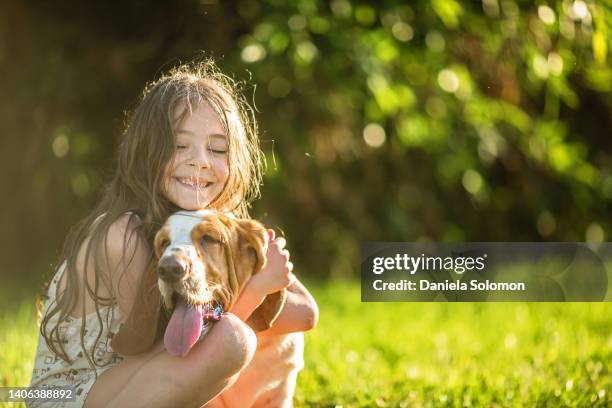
(456, 354)
(421, 354)
(18, 339)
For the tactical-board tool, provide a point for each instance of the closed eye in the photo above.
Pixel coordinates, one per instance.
(207, 239)
(218, 151)
(163, 244)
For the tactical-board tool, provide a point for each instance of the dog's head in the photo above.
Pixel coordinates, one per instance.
(205, 258)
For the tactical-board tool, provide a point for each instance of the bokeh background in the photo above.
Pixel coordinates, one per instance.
(436, 120)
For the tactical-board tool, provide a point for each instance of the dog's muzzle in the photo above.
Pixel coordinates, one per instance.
(171, 269)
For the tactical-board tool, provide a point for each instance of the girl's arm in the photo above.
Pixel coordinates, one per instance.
(128, 257)
(112, 262)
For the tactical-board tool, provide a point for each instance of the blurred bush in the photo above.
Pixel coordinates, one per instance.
(381, 120)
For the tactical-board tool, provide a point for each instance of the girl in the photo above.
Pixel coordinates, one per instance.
(191, 143)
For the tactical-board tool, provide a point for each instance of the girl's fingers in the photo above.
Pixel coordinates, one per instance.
(280, 241)
(271, 234)
(285, 254)
(292, 278)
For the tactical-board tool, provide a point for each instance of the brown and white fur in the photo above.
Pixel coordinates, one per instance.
(208, 256)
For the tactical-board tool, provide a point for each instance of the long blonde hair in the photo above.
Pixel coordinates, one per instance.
(145, 151)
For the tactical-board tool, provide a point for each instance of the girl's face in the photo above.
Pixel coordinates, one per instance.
(199, 168)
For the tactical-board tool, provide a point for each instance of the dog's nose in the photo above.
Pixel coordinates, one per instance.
(171, 269)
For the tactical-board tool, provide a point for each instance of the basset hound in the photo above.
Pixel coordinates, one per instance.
(203, 260)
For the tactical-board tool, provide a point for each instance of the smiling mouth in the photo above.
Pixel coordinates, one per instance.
(190, 184)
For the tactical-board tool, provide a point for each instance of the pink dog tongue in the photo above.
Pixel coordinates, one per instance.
(183, 329)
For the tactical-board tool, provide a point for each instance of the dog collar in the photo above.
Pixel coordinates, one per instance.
(213, 313)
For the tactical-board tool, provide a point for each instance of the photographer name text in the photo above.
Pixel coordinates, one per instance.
(447, 285)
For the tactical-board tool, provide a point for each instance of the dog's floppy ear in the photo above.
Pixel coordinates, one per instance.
(253, 238)
(254, 244)
(264, 316)
(140, 330)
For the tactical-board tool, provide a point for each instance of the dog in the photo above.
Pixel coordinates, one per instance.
(203, 260)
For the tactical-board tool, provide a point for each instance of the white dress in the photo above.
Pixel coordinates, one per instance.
(50, 370)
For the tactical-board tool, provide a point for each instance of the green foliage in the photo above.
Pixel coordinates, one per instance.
(447, 112)
(381, 120)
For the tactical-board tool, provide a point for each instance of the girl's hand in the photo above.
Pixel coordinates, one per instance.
(276, 275)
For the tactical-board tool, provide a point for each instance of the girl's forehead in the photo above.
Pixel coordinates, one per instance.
(200, 118)
(193, 135)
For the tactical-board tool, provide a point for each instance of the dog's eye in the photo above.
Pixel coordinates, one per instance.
(207, 239)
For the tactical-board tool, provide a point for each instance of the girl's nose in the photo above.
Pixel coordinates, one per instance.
(201, 159)
(200, 164)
